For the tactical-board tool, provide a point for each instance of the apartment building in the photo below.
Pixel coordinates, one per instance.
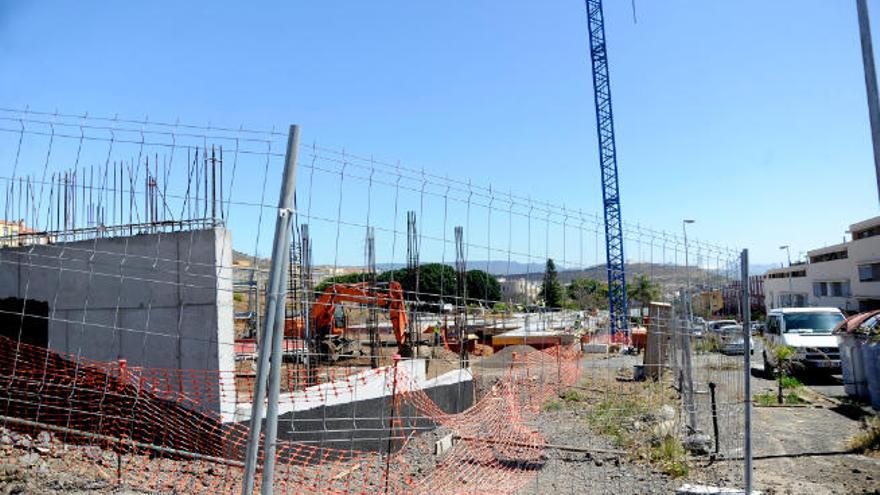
(845, 275)
(14, 234)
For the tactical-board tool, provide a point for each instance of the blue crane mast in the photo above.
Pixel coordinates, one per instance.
(608, 164)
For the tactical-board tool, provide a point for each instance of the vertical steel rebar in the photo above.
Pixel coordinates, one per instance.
(271, 339)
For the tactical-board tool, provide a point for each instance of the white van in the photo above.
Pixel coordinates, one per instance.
(808, 331)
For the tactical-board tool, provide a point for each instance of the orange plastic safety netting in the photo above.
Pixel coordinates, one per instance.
(167, 439)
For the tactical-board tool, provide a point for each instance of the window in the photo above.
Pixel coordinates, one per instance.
(836, 255)
(811, 322)
(820, 289)
(869, 273)
(792, 300)
(864, 234)
(793, 273)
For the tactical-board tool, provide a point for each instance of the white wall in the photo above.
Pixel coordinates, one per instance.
(863, 251)
(776, 287)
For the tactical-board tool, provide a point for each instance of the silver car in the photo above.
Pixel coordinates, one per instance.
(732, 340)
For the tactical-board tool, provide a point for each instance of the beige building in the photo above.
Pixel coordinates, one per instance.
(13, 234)
(707, 303)
(845, 275)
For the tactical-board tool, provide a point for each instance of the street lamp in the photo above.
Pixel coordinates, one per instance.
(687, 271)
(790, 290)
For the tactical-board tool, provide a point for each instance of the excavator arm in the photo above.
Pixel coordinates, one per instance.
(390, 298)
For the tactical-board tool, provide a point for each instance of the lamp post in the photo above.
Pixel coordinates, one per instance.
(788, 255)
(687, 271)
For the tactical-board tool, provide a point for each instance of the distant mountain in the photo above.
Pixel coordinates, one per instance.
(495, 267)
(761, 268)
(671, 277)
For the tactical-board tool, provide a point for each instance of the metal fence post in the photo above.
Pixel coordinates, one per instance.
(747, 358)
(687, 377)
(273, 332)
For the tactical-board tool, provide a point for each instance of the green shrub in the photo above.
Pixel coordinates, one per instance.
(788, 381)
(670, 456)
(571, 396)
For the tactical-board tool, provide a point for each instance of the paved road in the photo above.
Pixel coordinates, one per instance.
(829, 385)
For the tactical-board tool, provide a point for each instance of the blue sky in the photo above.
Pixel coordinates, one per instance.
(747, 116)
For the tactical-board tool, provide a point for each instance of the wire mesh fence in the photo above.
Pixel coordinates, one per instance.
(439, 335)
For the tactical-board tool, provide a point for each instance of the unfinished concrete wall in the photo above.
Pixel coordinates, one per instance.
(355, 412)
(161, 300)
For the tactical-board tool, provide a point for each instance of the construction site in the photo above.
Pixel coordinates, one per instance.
(136, 326)
(190, 308)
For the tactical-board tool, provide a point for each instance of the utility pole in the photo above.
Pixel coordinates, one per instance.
(870, 84)
(790, 289)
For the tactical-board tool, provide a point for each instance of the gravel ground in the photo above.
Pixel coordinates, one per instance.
(41, 465)
(589, 472)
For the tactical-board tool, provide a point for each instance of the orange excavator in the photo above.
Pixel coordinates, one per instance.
(328, 323)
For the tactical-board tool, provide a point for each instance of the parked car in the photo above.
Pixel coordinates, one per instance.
(732, 341)
(712, 327)
(808, 331)
(758, 327)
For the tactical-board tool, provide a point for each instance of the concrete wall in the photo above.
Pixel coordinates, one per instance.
(354, 412)
(160, 300)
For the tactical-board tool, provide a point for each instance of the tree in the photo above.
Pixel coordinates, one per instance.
(482, 286)
(349, 278)
(588, 293)
(437, 282)
(642, 291)
(551, 291)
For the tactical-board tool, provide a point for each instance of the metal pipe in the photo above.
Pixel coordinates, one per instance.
(267, 341)
(687, 272)
(790, 288)
(566, 448)
(285, 218)
(747, 361)
(870, 83)
(396, 359)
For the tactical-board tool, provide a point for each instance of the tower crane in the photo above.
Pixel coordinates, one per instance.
(617, 302)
